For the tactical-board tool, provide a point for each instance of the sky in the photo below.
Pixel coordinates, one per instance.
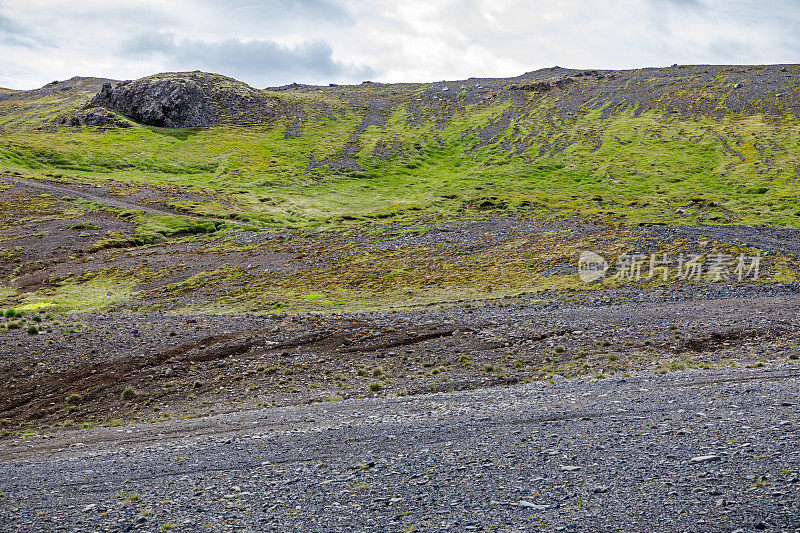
(274, 42)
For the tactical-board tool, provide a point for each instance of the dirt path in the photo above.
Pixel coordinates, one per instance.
(64, 190)
(69, 191)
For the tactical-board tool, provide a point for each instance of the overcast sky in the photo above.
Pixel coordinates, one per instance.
(272, 42)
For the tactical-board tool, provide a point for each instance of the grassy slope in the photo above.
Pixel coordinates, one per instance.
(628, 165)
(647, 147)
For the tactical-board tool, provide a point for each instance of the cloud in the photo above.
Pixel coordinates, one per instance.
(678, 3)
(270, 42)
(261, 62)
(283, 9)
(13, 33)
(8, 26)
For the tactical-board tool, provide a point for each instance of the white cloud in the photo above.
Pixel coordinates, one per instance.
(259, 59)
(270, 42)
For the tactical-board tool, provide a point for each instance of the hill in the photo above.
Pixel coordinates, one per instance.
(684, 144)
(185, 244)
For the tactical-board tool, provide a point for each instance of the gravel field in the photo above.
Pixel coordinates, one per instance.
(687, 451)
(177, 366)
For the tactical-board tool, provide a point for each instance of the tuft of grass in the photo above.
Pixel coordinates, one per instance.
(674, 366)
(128, 394)
(73, 399)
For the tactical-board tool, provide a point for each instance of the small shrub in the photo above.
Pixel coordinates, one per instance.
(83, 225)
(33, 330)
(559, 349)
(13, 325)
(128, 393)
(36, 318)
(375, 387)
(677, 365)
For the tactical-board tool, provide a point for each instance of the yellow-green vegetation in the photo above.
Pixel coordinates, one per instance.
(624, 163)
(390, 162)
(154, 228)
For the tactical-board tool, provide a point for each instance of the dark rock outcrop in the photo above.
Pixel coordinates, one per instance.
(95, 116)
(544, 86)
(168, 103)
(189, 99)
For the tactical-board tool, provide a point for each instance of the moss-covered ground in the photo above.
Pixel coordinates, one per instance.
(374, 163)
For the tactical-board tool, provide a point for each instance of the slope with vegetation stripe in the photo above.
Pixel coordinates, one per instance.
(684, 145)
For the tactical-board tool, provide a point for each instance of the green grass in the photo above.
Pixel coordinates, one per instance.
(621, 167)
(427, 163)
(128, 394)
(155, 228)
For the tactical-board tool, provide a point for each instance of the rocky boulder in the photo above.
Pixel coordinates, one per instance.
(96, 116)
(188, 99)
(544, 86)
(168, 103)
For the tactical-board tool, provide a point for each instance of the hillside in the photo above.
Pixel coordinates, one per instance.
(185, 245)
(686, 144)
(376, 196)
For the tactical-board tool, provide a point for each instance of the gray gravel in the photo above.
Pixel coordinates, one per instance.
(687, 451)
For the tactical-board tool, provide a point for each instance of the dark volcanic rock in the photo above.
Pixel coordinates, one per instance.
(95, 116)
(190, 99)
(169, 103)
(544, 86)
